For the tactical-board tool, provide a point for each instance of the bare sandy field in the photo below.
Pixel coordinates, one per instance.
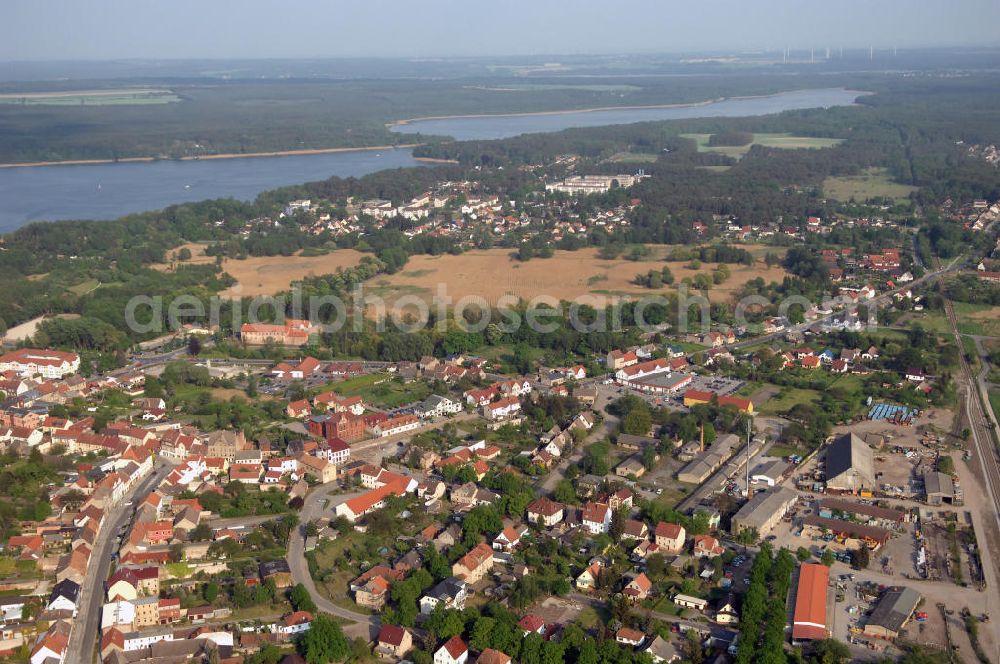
(27, 329)
(267, 275)
(493, 273)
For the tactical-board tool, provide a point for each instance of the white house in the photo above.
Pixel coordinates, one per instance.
(596, 518)
(454, 651)
(146, 638)
(294, 623)
(502, 408)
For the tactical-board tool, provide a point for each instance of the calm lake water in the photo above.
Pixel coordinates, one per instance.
(492, 127)
(107, 191)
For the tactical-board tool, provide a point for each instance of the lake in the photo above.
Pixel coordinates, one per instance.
(492, 127)
(108, 191)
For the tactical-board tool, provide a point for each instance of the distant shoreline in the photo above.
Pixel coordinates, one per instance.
(598, 109)
(694, 104)
(229, 155)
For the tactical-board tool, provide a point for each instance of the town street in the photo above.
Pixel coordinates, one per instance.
(83, 638)
(365, 626)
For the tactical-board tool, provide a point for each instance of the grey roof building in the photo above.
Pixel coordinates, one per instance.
(771, 472)
(849, 465)
(764, 510)
(709, 461)
(892, 612)
(939, 487)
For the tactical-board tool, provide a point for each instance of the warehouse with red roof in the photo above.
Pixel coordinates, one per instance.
(809, 621)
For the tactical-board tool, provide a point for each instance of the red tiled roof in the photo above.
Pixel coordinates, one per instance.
(391, 634)
(455, 646)
(668, 530)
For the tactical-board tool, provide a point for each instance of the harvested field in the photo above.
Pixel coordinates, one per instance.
(267, 275)
(27, 329)
(493, 273)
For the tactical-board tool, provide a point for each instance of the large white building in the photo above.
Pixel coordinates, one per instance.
(591, 184)
(35, 361)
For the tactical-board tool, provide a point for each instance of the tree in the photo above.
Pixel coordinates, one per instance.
(482, 632)
(617, 527)
(210, 591)
(803, 554)
(531, 649)
(860, 558)
(310, 529)
(444, 623)
(827, 558)
(648, 457)
(324, 642)
(637, 422)
(300, 599)
(194, 344)
(201, 533)
(564, 492)
(747, 536)
(829, 651)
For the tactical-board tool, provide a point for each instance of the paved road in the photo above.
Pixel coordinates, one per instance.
(365, 625)
(84, 636)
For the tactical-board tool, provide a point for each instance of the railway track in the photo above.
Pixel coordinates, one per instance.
(982, 432)
(980, 426)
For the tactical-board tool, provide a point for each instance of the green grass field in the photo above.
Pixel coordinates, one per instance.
(995, 400)
(787, 398)
(84, 287)
(91, 98)
(975, 319)
(783, 141)
(633, 158)
(874, 183)
(382, 390)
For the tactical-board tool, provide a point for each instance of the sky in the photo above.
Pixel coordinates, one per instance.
(220, 29)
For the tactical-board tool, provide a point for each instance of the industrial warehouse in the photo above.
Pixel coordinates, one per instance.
(849, 465)
(811, 596)
(764, 510)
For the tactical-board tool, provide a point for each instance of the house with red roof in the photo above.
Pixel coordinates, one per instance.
(596, 518)
(491, 656)
(393, 641)
(545, 511)
(670, 537)
(474, 565)
(532, 624)
(706, 546)
(298, 409)
(454, 651)
(509, 538)
(638, 588)
(292, 333)
(295, 623)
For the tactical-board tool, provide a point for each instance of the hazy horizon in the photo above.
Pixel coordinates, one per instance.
(59, 30)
